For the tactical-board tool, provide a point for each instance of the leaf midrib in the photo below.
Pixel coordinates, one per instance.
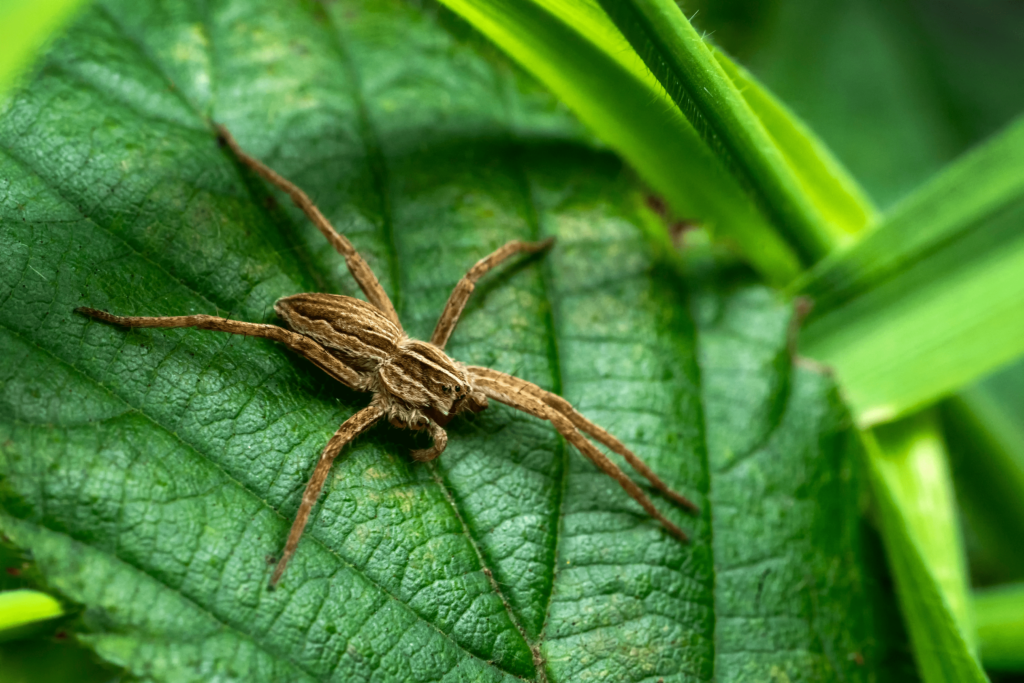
(554, 355)
(378, 168)
(705, 457)
(377, 161)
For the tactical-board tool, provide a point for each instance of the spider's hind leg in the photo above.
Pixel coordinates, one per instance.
(512, 394)
(581, 423)
(358, 266)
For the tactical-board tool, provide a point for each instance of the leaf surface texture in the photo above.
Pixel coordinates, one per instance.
(152, 473)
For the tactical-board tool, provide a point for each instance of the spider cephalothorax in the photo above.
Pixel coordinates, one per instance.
(415, 385)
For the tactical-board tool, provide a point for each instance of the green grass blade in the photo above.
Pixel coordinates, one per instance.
(822, 178)
(25, 26)
(575, 50)
(22, 608)
(934, 298)
(978, 187)
(912, 487)
(702, 88)
(999, 617)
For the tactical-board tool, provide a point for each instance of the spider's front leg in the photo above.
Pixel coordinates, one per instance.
(301, 344)
(460, 295)
(350, 429)
(357, 265)
(530, 398)
(521, 386)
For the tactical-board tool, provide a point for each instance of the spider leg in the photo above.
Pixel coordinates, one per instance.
(297, 342)
(583, 424)
(349, 430)
(510, 394)
(359, 268)
(460, 295)
(440, 443)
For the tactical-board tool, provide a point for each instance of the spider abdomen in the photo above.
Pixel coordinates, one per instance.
(352, 330)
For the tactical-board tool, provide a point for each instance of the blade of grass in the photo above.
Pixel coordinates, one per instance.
(910, 479)
(822, 178)
(702, 88)
(934, 298)
(25, 26)
(575, 50)
(20, 609)
(977, 187)
(999, 616)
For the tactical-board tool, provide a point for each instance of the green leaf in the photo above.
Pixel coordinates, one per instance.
(934, 298)
(821, 178)
(579, 54)
(20, 608)
(999, 614)
(151, 473)
(25, 26)
(913, 491)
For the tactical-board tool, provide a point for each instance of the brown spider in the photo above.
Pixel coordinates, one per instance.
(414, 383)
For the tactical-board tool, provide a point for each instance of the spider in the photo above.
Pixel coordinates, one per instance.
(414, 383)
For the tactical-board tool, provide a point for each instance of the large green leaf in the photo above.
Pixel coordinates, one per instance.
(151, 473)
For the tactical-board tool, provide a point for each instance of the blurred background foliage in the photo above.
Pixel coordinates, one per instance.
(897, 89)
